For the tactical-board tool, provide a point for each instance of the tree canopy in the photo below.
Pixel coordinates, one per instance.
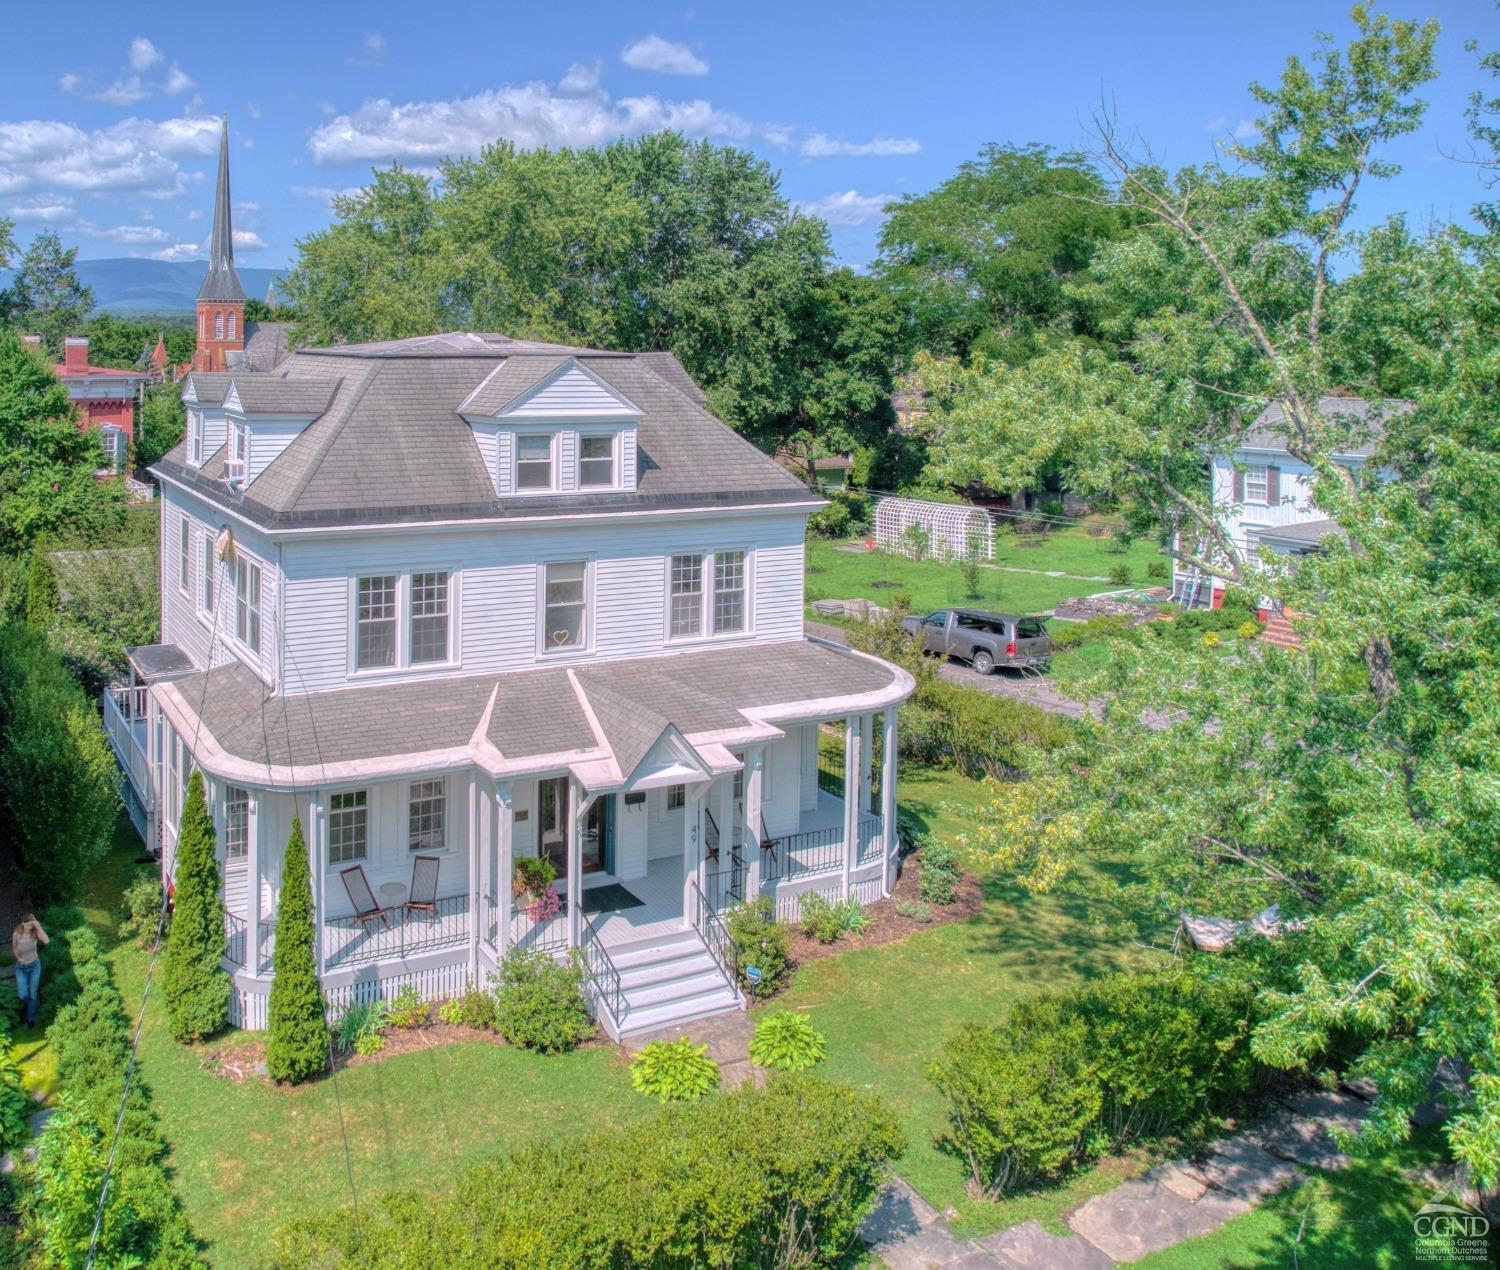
(45, 297)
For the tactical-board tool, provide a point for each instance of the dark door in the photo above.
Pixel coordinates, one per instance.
(599, 836)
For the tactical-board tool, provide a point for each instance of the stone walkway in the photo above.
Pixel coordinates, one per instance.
(1173, 1202)
(728, 1039)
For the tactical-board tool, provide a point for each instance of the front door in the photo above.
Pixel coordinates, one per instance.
(599, 836)
(598, 828)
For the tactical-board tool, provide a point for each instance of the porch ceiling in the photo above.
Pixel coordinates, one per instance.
(600, 716)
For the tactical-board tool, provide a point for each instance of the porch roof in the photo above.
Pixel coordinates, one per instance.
(599, 720)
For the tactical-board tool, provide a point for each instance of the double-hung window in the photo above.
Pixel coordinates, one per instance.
(247, 603)
(676, 797)
(1257, 483)
(184, 553)
(707, 595)
(115, 449)
(429, 618)
(427, 816)
(348, 826)
(239, 449)
(596, 462)
(195, 437)
(206, 581)
(375, 622)
(534, 462)
(565, 606)
(236, 822)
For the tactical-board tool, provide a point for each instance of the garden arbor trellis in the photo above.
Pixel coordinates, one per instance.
(945, 531)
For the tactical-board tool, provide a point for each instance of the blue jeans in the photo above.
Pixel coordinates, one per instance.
(28, 981)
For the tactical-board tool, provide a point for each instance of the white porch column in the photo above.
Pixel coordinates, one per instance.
(252, 880)
(476, 847)
(888, 797)
(576, 810)
(755, 761)
(866, 765)
(692, 849)
(724, 813)
(315, 822)
(505, 819)
(853, 732)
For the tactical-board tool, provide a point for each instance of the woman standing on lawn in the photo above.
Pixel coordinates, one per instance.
(24, 942)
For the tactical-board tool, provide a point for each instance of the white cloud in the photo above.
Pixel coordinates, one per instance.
(124, 92)
(135, 155)
(144, 54)
(374, 42)
(179, 251)
(326, 193)
(579, 78)
(131, 235)
(248, 240)
(849, 208)
(40, 209)
(371, 50)
(178, 82)
(531, 115)
(1246, 130)
(821, 146)
(652, 53)
(70, 82)
(253, 109)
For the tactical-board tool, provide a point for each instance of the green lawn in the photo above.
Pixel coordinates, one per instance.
(835, 574)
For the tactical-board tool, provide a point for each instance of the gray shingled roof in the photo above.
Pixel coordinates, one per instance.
(273, 395)
(265, 344)
(209, 386)
(221, 282)
(535, 712)
(392, 447)
(1309, 532)
(1362, 418)
(509, 380)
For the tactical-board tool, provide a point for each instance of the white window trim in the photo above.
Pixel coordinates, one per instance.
(592, 434)
(1264, 469)
(195, 437)
(403, 664)
(706, 634)
(233, 634)
(585, 649)
(243, 859)
(447, 848)
(207, 571)
(185, 554)
(554, 485)
(328, 815)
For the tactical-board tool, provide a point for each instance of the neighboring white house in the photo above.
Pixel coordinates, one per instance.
(1262, 496)
(472, 599)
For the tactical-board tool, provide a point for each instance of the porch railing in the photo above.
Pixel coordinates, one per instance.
(726, 881)
(549, 934)
(234, 938)
(123, 709)
(602, 977)
(265, 946)
(798, 855)
(348, 941)
(707, 922)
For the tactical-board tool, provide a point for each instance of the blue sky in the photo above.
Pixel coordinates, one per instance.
(108, 128)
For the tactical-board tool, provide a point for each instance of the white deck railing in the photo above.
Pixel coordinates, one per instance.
(124, 712)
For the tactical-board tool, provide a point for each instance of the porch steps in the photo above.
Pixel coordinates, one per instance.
(670, 980)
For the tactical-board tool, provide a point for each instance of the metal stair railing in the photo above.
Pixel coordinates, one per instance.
(603, 976)
(710, 927)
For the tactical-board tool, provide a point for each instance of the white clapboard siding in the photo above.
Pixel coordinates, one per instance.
(781, 796)
(268, 438)
(569, 393)
(498, 591)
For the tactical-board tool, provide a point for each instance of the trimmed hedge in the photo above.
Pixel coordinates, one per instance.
(776, 1176)
(1069, 1076)
(143, 1221)
(982, 735)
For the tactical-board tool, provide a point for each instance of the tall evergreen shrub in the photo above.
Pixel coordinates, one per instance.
(298, 1043)
(194, 982)
(41, 587)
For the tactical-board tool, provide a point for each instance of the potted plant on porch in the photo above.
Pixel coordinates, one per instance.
(531, 887)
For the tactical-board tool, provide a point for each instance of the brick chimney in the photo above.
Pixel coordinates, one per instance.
(76, 354)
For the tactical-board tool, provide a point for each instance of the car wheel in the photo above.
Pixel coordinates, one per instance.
(983, 663)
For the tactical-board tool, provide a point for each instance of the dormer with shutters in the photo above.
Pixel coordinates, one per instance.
(545, 429)
(263, 415)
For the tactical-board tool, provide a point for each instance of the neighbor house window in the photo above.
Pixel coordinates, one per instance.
(676, 797)
(231, 325)
(206, 582)
(596, 462)
(247, 603)
(375, 622)
(706, 595)
(184, 553)
(427, 816)
(534, 462)
(114, 448)
(195, 434)
(565, 606)
(348, 826)
(218, 326)
(429, 617)
(1256, 483)
(236, 822)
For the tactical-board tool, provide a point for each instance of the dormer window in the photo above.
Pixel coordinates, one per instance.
(596, 462)
(195, 437)
(239, 449)
(534, 462)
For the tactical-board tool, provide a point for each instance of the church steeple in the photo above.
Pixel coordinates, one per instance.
(221, 298)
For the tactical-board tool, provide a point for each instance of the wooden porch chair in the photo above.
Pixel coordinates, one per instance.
(424, 880)
(367, 909)
(767, 843)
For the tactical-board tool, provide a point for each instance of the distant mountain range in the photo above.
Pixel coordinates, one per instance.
(129, 285)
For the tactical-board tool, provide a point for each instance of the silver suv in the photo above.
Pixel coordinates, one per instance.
(984, 640)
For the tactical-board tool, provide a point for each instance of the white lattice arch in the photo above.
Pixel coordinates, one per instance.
(952, 530)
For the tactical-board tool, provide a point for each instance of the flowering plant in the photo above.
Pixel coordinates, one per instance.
(546, 904)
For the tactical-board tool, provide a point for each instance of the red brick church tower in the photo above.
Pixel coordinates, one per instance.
(221, 298)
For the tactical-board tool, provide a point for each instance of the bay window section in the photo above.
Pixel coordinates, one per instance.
(596, 462)
(348, 827)
(533, 462)
(375, 622)
(247, 603)
(729, 592)
(565, 606)
(427, 815)
(236, 822)
(429, 618)
(707, 595)
(687, 597)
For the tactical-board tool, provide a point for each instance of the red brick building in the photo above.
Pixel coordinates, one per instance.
(105, 398)
(221, 298)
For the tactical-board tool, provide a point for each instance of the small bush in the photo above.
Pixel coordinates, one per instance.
(852, 918)
(1119, 574)
(674, 1071)
(1211, 639)
(787, 1042)
(15, 1104)
(1157, 569)
(476, 1009)
(142, 908)
(979, 734)
(451, 1011)
(361, 1026)
(761, 943)
(916, 910)
(408, 1010)
(937, 881)
(533, 874)
(539, 1002)
(1073, 634)
(817, 917)
(1247, 630)
(846, 516)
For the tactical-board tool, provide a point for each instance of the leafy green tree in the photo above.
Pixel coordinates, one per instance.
(41, 587)
(47, 462)
(119, 342)
(297, 1044)
(985, 259)
(195, 984)
(163, 424)
(46, 297)
(58, 780)
(112, 603)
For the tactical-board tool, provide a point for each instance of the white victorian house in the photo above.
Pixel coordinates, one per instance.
(1262, 496)
(466, 599)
